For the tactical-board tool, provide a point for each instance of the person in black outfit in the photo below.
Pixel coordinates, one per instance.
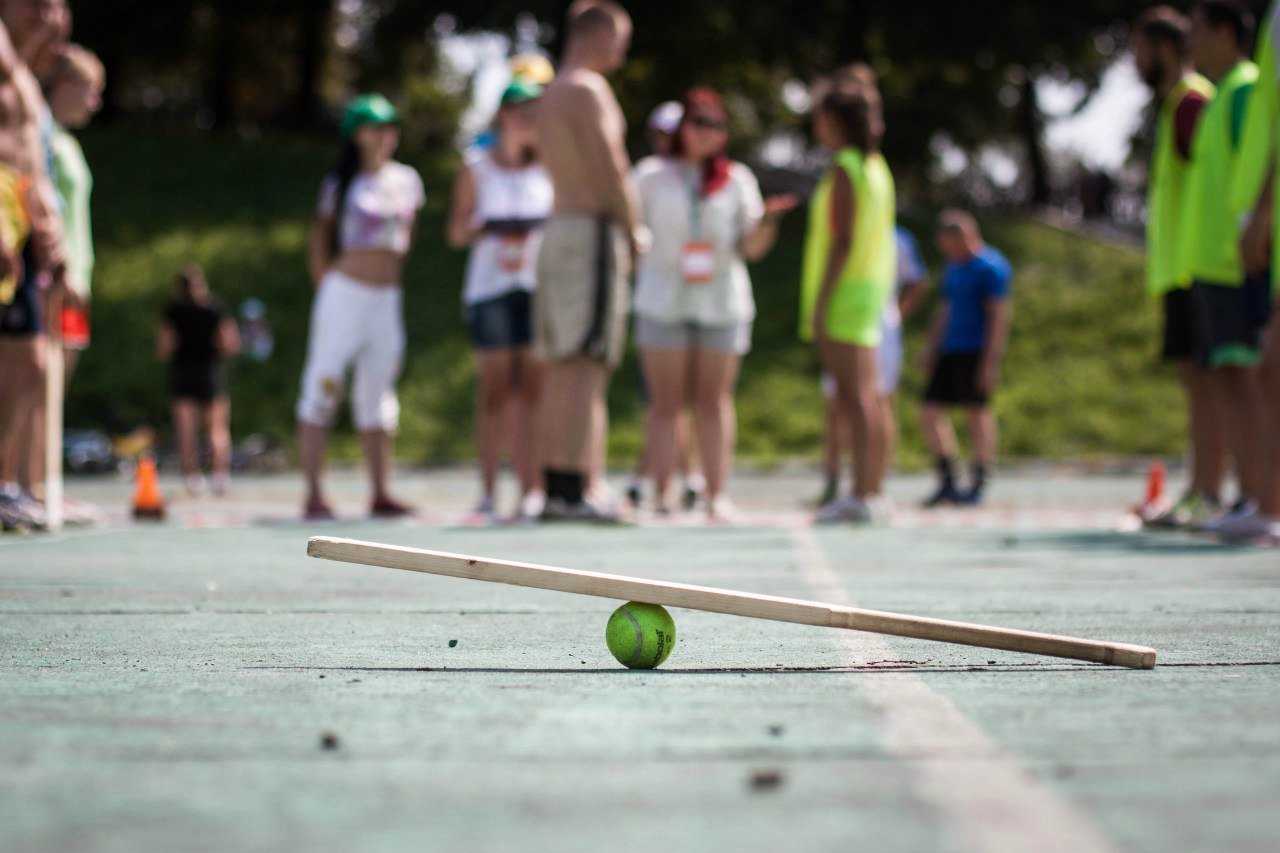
(196, 336)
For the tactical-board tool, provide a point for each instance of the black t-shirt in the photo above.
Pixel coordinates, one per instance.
(196, 329)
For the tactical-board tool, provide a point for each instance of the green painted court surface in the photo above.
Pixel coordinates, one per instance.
(168, 688)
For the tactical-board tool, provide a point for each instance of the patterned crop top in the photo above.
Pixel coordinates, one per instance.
(380, 207)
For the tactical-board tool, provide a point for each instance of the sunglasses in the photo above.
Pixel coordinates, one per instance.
(708, 123)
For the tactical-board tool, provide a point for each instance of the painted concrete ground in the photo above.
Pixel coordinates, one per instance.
(172, 687)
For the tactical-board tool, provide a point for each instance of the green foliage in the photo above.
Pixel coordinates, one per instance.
(1081, 379)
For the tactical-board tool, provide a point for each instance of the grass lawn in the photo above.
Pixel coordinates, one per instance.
(1081, 379)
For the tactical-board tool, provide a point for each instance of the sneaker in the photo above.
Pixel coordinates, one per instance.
(972, 497)
(484, 512)
(1243, 522)
(599, 508)
(722, 511)
(694, 488)
(946, 495)
(635, 494)
(1191, 512)
(220, 484)
(843, 510)
(531, 507)
(317, 509)
(881, 508)
(195, 485)
(388, 508)
(830, 492)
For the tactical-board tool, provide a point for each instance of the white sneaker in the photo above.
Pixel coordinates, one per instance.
(843, 510)
(221, 485)
(531, 507)
(195, 484)
(881, 508)
(1239, 518)
(722, 511)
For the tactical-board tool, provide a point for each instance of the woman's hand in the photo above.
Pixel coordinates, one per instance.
(778, 206)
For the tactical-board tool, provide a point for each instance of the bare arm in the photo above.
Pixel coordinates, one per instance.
(911, 297)
(166, 342)
(1255, 242)
(762, 239)
(460, 231)
(999, 313)
(318, 256)
(842, 218)
(228, 338)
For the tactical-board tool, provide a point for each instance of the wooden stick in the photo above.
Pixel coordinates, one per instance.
(736, 603)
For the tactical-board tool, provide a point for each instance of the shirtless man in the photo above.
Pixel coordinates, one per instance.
(586, 255)
(37, 262)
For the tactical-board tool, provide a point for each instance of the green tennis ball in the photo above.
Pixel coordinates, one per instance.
(640, 636)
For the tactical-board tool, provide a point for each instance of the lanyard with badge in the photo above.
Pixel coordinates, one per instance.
(698, 257)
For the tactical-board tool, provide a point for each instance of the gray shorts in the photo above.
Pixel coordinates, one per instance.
(656, 334)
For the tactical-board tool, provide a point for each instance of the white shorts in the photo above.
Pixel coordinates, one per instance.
(889, 359)
(353, 325)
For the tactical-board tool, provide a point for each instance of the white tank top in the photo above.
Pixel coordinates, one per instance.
(380, 207)
(505, 257)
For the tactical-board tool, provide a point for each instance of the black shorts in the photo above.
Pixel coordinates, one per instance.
(504, 322)
(955, 381)
(1229, 322)
(22, 317)
(1179, 326)
(200, 382)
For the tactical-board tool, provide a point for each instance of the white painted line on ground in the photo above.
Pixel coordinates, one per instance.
(989, 802)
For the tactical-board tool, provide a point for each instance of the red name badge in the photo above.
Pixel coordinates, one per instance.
(698, 263)
(511, 252)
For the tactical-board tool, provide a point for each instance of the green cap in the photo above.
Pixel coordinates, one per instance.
(521, 90)
(368, 109)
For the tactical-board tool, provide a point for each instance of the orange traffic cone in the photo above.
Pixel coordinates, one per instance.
(1153, 504)
(148, 503)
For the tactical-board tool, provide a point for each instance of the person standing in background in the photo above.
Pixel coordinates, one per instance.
(850, 262)
(660, 131)
(586, 257)
(693, 302)
(359, 241)
(75, 95)
(197, 335)
(1161, 54)
(964, 355)
(1254, 199)
(501, 200)
(39, 275)
(1230, 306)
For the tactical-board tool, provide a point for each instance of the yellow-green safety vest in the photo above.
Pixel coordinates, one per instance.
(1164, 196)
(1209, 250)
(867, 280)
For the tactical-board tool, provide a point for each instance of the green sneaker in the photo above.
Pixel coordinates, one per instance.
(1188, 513)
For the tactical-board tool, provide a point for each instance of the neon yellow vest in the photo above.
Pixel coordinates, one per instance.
(1258, 151)
(856, 306)
(1209, 250)
(1164, 197)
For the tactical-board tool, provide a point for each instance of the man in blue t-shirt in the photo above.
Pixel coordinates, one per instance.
(966, 346)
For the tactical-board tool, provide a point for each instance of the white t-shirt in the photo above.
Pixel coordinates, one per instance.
(380, 207)
(500, 263)
(677, 216)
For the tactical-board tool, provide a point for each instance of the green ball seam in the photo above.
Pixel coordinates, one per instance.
(635, 626)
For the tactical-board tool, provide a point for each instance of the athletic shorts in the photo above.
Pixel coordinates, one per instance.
(889, 360)
(955, 381)
(355, 327)
(656, 334)
(201, 382)
(1227, 328)
(23, 317)
(1179, 326)
(503, 322)
(75, 328)
(583, 296)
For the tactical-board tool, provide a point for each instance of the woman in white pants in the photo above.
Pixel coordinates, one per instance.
(361, 235)
(501, 200)
(693, 301)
